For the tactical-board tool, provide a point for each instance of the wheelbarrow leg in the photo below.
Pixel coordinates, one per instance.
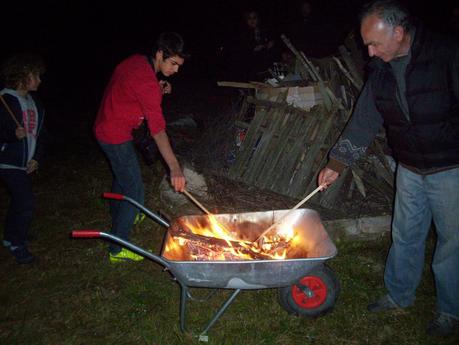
(183, 300)
(221, 311)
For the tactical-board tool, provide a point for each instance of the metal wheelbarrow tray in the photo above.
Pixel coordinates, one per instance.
(307, 287)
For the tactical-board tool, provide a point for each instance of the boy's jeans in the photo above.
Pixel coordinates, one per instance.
(127, 180)
(19, 215)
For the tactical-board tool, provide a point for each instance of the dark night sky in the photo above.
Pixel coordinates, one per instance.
(83, 40)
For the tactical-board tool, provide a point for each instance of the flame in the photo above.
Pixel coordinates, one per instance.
(275, 244)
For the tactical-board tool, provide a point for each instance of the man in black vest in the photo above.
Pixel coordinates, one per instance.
(413, 90)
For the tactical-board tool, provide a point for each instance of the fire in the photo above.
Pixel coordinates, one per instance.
(211, 240)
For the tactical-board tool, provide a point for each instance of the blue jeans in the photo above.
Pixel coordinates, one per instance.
(20, 210)
(127, 180)
(419, 200)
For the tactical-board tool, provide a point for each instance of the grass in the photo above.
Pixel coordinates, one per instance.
(72, 295)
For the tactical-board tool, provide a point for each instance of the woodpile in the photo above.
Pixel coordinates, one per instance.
(285, 145)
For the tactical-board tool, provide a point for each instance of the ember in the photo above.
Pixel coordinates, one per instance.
(232, 237)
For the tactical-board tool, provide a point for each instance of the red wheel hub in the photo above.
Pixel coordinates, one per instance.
(318, 288)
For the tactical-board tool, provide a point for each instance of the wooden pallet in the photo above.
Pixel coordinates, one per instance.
(283, 147)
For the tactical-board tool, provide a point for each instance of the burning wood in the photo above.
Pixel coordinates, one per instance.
(211, 248)
(203, 238)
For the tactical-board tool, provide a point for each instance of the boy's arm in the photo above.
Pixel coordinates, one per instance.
(8, 128)
(164, 146)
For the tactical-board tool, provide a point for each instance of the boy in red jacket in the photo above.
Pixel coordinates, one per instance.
(133, 94)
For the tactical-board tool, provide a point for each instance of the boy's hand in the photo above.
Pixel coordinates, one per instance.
(32, 166)
(178, 180)
(165, 86)
(20, 132)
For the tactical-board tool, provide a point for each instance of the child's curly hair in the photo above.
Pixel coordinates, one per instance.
(16, 69)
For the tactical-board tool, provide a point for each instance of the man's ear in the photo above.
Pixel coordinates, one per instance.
(399, 33)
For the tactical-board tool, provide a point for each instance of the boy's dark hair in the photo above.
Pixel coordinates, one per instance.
(391, 12)
(171, 44)
(16, 69)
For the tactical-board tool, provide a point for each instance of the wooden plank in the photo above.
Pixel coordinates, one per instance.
(292, 159)
(284, 105)
(303, 177)
(247, 146)
(244, 108)
(262, 150)
(300, 180)
(287, 152)
(241, 85)
(237, 84)
(274, 148)
(252, 139)
(282, 167)
(386, 190)
(291, 122)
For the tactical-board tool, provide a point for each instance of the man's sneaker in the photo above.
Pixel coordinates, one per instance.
(383, 304)
(125, 255)
(22, 255)
(139, 218)
(443, 325)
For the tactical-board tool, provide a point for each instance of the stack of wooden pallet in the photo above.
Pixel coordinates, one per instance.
(286, 144)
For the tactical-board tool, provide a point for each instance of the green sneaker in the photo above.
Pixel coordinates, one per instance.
(139, 218)
(125, 255)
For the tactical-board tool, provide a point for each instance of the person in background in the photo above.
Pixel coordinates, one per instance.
(133, 94)
(413, 90)
(21, 147)
(254, 47)
(307, 31)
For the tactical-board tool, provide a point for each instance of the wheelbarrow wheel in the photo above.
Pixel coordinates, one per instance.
(314, 295)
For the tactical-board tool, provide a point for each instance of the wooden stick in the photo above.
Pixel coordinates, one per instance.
(289, 212)
(208, 213)
(196, 201)
(10, 112)
(237, 84)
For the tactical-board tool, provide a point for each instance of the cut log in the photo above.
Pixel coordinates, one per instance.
(209, 248)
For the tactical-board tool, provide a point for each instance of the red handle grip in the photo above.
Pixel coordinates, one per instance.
(113, 196)
(85, 234)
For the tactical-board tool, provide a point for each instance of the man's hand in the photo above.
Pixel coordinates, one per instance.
(178, 179)
(20, 132)
(326, 177)
(32, 166)
(165, 86)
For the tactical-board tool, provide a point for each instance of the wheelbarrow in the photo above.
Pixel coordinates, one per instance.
(306, 285)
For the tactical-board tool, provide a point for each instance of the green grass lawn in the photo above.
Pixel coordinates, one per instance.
(73, 295)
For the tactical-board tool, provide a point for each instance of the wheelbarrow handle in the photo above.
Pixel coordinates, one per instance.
(114, 196)
(153, 215)
(121, 242)
(85, 234)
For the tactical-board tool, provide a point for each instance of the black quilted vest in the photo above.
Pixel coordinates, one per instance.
(429, 138)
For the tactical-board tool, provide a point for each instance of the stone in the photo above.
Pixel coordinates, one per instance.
(195, 184)
(360, 228)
